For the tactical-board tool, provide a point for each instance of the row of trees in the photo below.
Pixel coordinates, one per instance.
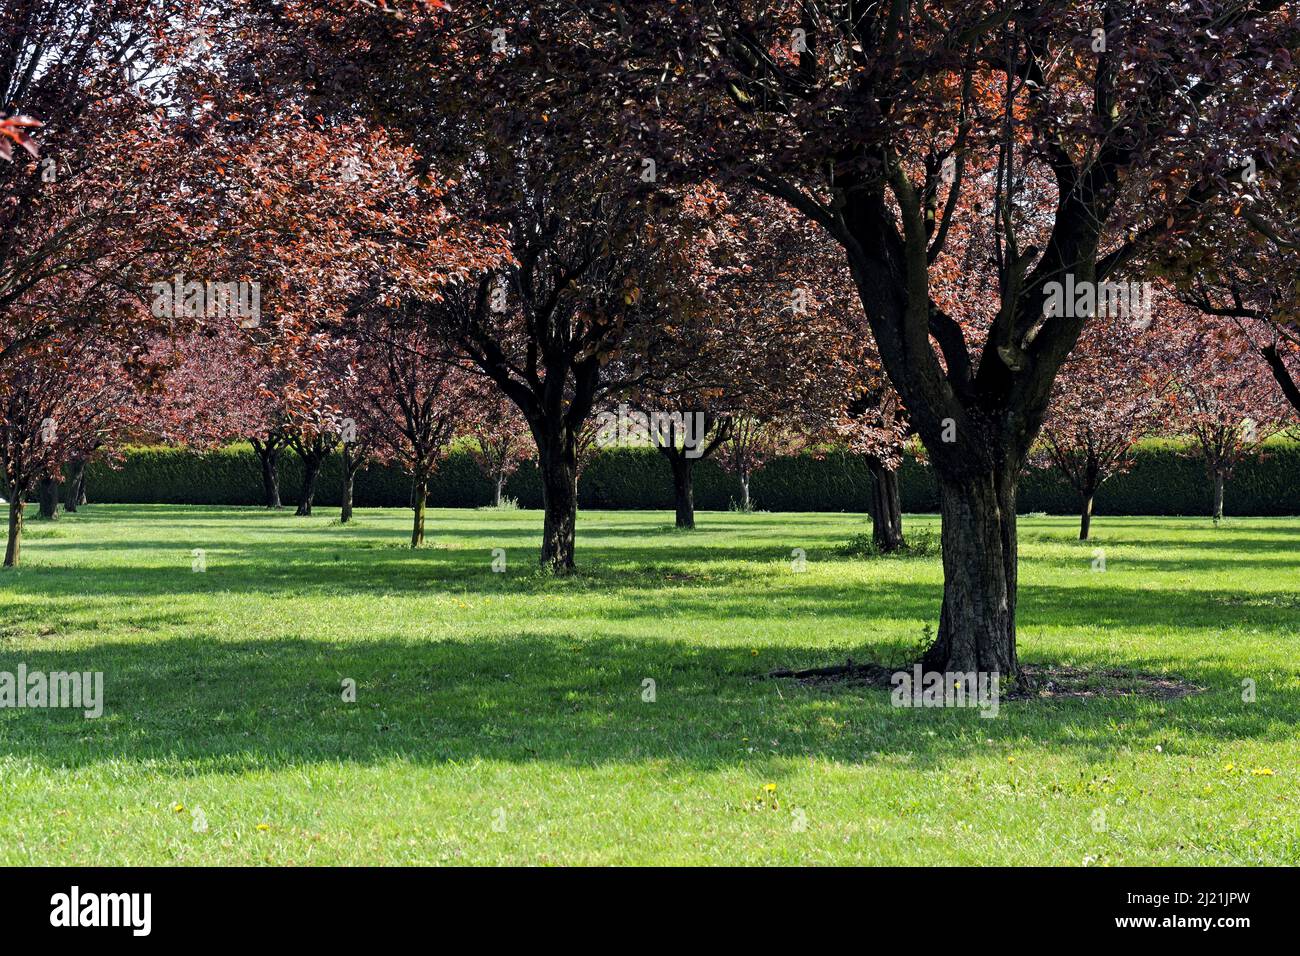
(377, 396)
(815, 218)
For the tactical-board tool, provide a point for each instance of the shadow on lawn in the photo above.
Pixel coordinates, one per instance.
(645, 583)
(233, 706)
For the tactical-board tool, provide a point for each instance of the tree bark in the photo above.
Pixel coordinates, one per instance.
(49, 498)
(311, 465)
(559, 466)
(419, 499)
(977, 623)
(1218, 495)
(683, 490)
(744, 491)
(13, 550)
(886, 510)
(1285, 380)
(1085, 518)
(350, 467)
(497, 489)
(76, 493)
(268, 453)
(345, 510)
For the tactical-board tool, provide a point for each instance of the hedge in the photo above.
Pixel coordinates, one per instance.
(1165, 480)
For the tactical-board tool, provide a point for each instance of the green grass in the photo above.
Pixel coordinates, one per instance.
(499, 717)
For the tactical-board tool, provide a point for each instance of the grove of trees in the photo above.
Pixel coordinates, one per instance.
(995, 235)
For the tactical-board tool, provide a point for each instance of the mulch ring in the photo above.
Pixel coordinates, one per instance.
(1041, 681)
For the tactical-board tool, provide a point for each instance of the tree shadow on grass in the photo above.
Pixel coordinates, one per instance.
(642, 585)
(205, 704)
(214, 704)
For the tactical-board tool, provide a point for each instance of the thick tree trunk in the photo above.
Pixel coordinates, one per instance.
(1218, 496)
(76, 493)
(419, 499)
(977, 624)
(13, 550)
(311, 465)
(684, 491)
(559, 467)
(1085, 517)
(269, 455)
(49, 498)
(744, 491)
(496, 491)
(886, 510)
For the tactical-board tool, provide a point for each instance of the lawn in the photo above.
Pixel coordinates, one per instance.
(499, 717)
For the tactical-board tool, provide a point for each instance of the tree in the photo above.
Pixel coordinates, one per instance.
(325, 220)
(699, 434)
(872, 424)
(357, 445)
(500, 437)
(582, 240)
(1225, 398)
(752, 443)
(1055, 142)
(313, 370)
(762, 335)
(66, 398)
(110, 202)
(416, 401)
(1112, 391)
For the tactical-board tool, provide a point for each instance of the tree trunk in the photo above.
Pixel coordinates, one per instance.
(496, 491)
(744, 491)
(1085, 519)
(351, 465)
(419, 498)
(977, 623)
(886, 510)
(684, 490)
(13, 550)
(76, 494)
(269, 455)
(49, 498)
(311, 465)
(345, 512)
(1285, 380)
(1218, 496)
(559, 466)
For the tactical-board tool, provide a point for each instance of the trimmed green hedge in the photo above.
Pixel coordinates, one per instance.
(1164, 481)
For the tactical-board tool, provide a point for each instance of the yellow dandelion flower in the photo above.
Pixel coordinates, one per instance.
(264, 826)
(1262, 772)
(178, 808)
